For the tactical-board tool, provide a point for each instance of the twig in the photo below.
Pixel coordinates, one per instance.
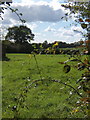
(15, 11)
(38, 67)
(58, 81)
(82, 63)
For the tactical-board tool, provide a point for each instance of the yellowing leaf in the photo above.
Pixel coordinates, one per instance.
(56, 44)
(48, 49)
(87, 99)
(30, 55)
(87, 20)
(87, 41)
(75, 110)
(80, 20)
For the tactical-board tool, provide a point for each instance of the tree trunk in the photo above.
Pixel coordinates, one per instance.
(3, 52)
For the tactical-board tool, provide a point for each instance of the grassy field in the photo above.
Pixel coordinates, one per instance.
(43, 99)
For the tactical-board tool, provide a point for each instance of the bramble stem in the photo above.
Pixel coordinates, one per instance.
(58, 81)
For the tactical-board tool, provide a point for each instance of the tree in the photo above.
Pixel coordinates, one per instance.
(2, 46)
(82, 9)
(20, 34)
(45, 44)
(5, 4)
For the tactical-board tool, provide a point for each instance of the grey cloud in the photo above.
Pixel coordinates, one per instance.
(68, 34)
(6, 21)
(50, 29)
(34, 13)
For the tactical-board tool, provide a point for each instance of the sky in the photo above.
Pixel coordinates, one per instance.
(43, 17)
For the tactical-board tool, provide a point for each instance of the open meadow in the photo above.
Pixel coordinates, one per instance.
(42, 99)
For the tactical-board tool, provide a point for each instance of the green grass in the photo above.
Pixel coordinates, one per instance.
(47, 99)
(0, 90)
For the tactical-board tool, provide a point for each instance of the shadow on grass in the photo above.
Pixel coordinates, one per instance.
(4, 59)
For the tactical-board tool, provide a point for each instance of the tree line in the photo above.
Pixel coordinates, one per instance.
(12, 47)
(18, 40)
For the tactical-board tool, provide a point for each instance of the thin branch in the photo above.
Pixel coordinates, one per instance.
(15, 11)
(58, 81)
(82, 63)
(38, 67)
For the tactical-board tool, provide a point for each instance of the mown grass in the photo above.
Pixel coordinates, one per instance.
(43, 100)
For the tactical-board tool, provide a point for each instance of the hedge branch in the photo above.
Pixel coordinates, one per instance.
(58, 81)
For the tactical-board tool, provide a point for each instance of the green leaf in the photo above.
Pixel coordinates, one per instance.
(84, 25)
(21, 14)
(66, 68)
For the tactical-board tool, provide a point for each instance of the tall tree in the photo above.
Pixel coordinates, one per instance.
(20, 34)
(5, 4)
(82, 13)
(82, 9)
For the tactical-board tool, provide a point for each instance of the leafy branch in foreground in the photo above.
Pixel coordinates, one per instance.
(82, 12)
(83, 81)
(4, 6)
(16, 12)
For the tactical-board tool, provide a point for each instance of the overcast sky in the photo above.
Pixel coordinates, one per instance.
(43, 17)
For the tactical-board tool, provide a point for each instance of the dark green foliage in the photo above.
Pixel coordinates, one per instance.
(17, 48)
(20, 34)
(84, 25)
(41, 48)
